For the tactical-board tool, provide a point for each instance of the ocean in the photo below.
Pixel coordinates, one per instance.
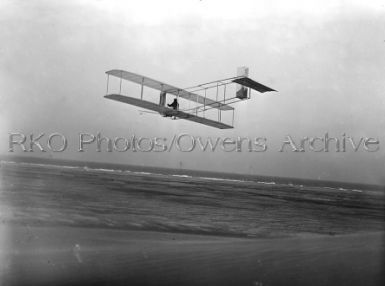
(45, 192)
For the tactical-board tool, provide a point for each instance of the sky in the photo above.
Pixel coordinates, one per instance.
(325, 58)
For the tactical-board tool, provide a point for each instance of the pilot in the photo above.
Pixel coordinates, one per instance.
(174, 104)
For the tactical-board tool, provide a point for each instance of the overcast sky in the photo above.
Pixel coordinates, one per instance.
(325, 58)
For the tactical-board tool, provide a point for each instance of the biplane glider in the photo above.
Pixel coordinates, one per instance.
(210, 96)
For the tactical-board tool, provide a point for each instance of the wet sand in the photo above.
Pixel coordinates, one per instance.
(92, 256)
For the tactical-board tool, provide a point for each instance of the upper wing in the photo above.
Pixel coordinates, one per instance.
(245, 81)
(149, 82)
(155, 84)
(167, 111)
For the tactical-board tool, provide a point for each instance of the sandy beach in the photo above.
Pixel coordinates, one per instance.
(81, 256)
